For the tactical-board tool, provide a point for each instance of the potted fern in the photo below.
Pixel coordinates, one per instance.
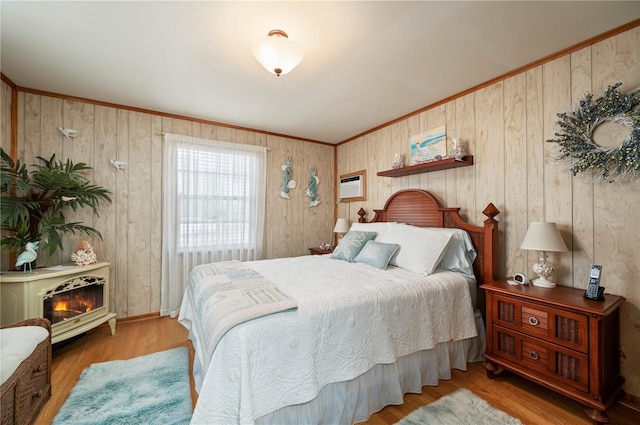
(35, 203)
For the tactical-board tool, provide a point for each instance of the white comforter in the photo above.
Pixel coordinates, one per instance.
(350, 317)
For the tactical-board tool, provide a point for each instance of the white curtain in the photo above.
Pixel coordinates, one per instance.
(213, 208)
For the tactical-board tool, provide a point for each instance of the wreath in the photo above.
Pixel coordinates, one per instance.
(576, 136)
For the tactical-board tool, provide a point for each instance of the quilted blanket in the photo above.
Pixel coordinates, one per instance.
(350, 317)
(229, 293)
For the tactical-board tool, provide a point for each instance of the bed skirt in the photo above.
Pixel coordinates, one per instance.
(384, 384)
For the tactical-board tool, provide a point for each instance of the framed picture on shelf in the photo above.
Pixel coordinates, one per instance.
(429, 145)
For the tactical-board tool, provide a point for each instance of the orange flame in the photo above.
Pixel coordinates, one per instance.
(78, 305)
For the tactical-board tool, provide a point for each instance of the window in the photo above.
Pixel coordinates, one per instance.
(214, 198)
(213, 208)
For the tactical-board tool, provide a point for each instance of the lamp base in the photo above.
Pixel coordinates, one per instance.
(543, 282)
(544, 270)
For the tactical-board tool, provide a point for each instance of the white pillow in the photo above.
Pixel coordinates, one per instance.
(421, 249)
(460, 253)
(378, 227)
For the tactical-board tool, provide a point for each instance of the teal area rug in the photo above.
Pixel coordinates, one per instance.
(149, 390)
(461, 407)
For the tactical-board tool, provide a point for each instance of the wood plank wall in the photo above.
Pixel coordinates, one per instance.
(5, 117)
(505, 126)
(6, 94)
(131, 225)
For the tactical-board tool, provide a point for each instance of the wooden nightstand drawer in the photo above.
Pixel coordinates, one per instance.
(557, 338)
(536, 320)
(555, 362)
(559, 327)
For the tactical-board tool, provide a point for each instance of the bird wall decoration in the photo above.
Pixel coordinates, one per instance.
(69, 133)
(118, 165)
(28, 256)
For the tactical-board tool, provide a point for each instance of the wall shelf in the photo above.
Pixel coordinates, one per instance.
(443, 164)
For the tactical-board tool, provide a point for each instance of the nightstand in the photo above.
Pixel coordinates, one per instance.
(316, 250)
(556, 338)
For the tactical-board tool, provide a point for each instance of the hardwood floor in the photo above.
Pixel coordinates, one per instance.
(530, 403)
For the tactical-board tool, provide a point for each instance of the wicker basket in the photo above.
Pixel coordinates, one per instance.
(28, 389)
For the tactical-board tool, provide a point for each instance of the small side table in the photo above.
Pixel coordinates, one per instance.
(316, 250)
(557, 338)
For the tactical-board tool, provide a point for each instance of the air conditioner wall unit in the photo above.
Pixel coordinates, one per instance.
(352, 186)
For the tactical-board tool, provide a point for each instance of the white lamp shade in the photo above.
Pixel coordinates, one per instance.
(342, 226)
(543, 236)
(277, 53)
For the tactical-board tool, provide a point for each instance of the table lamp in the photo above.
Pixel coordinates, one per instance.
(342, 227)
(543, 237)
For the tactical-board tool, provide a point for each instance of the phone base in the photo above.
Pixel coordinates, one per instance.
(599, 297)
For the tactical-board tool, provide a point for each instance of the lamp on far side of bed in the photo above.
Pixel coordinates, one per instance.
(342, 227)
(543, 237)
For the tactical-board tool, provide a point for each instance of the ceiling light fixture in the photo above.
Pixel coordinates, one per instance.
(277, 53)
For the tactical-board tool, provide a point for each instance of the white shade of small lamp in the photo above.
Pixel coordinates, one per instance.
(543, 237)
(342, 227)
(277, 53)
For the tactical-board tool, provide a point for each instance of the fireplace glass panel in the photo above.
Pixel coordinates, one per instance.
(67, 304)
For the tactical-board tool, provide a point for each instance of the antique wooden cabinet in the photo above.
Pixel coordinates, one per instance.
(557, 338)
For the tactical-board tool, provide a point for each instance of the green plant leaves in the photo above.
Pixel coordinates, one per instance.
(34, 203)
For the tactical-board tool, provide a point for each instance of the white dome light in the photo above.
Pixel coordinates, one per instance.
(277, 53)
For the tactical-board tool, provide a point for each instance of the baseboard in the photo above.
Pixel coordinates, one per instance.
(631, 401)
(138, 318)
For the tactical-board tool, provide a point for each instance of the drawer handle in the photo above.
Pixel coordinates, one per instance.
(533, 321)
(38, 394)
(533, 355)
(39, 368)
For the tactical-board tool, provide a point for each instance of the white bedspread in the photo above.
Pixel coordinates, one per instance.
(227, 293)
(349, 318)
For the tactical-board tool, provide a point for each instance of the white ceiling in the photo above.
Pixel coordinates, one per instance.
(366, 63)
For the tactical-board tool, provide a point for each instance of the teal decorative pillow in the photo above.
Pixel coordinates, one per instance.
(377, 254)
(351, 244)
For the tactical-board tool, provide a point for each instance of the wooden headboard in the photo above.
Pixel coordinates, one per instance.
(420, 208)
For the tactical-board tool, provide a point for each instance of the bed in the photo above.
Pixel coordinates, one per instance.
(348, 336)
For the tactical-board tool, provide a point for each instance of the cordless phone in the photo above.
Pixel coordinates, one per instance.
(594, 290)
